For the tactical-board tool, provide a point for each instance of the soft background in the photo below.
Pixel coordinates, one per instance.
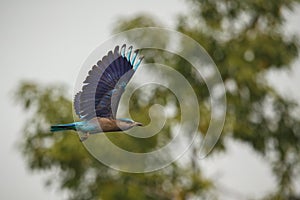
(47, 41)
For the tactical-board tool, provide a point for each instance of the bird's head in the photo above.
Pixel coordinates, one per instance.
(125, 123)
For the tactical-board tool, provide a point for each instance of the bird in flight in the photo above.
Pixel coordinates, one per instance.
(97, 104)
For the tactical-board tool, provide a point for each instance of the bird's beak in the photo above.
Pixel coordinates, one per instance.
(138, 124)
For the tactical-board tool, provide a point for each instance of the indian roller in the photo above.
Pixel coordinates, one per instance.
(97, 103)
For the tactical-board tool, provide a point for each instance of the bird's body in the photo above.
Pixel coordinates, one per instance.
(96, 125)
(96, 105)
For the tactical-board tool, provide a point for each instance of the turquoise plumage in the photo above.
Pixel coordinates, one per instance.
(96, 105)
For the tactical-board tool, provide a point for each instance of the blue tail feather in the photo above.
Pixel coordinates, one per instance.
(63, 127)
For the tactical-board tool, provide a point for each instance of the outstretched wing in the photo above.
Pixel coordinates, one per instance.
(106, 83)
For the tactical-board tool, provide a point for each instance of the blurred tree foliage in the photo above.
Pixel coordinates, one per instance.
(246, 40)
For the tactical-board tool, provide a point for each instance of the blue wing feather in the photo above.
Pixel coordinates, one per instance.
(123, 50)
(77, 103)
(105, 84)
(129, 53)
(138, 63)
(135, 53)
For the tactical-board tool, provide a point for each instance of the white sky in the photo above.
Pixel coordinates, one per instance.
(47, 41)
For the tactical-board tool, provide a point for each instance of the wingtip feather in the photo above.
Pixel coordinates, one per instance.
(138, 63)
(123, 50)
(129, 53)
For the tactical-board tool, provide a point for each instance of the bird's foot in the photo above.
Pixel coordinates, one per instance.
(84, 137)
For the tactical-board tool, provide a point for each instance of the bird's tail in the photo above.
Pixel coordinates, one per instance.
(63, 127)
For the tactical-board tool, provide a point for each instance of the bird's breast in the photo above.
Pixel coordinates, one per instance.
(104, 125)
